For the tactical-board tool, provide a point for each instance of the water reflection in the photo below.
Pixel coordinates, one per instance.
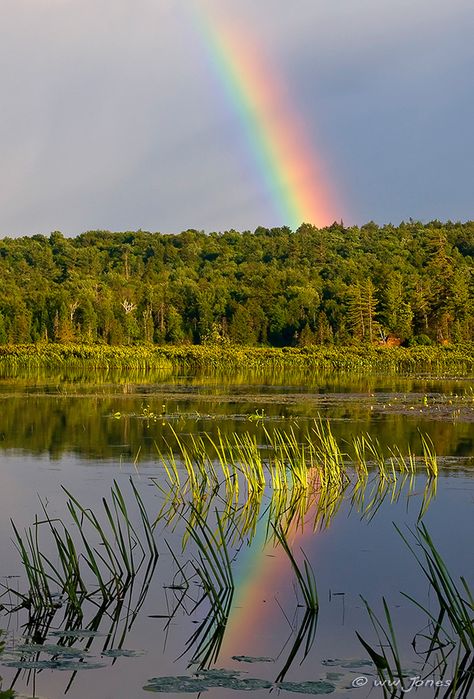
(109, 416)
(185, 612)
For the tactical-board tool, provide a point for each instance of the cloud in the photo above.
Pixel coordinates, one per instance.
(112, 118)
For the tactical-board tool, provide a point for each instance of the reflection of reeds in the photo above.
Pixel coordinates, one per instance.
(123, 550)
(201, 464)
(304, 576)
(289, 506)
(237, 472)
(213, 568)
(450, 629)
(108, 620)
(305, 635)
(457, 610)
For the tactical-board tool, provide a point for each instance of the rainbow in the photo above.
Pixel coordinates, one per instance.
(263, 571)
(283, 154)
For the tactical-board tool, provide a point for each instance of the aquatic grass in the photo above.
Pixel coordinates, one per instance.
(328, 503)
(306, 579)
(354, 359)
(373, 454)
(360, 461)
(248, 460)
(245, 519)
(213, 553)
(33, 561)
(328, 456)
(369, 498)
(387, 643)
(450, 629)
(214, 570)
(113, 567)
(456, 604)
(207, 639)
(429, 493)
(118, 613)
(287, 466)
(227, 465)
(402, 463)
(69, 580)
(305, 638)
(429, 456)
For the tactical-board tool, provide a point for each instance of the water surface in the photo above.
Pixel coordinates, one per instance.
(82, 432)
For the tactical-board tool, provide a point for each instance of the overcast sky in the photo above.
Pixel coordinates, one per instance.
(113, 118)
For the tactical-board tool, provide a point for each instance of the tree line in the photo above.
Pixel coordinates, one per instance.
(409, 284)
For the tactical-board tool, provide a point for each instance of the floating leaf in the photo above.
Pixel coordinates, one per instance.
(334, 676)
(181, 684)
(218, 674)
(227, 679)
(251, 659)
(52, 649)
(52, 665)
(356, 664)
(332, 662)
(123, 653)
(77, 633)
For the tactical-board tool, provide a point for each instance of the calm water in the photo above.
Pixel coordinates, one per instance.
(83, 432)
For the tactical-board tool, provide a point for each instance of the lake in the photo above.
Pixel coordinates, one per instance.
(222, 606)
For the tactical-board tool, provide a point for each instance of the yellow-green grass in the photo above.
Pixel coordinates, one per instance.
(357, 358)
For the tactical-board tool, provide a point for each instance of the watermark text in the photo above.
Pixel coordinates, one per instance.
(407, 685)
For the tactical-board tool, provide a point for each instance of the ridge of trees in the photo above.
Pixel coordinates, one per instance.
(410, 284)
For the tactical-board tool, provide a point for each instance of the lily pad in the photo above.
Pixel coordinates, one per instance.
(217, 674)
(319, 687)
(52, 649)
(181, 685)
(123, 653)
(349, 664)
(332, 662)
(204, 680)
(245, 684)
(77, 633)
(334, 676)
(52, 665)
(231, 679)
(251, 659)
(356, 664)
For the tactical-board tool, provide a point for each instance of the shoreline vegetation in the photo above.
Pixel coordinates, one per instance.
(458, 359)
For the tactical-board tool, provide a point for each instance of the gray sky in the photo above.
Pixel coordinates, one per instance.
(112, 116)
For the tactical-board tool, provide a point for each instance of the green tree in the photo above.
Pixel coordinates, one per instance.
(362, 310)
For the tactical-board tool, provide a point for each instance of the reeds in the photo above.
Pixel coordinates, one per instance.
(111, 551)
(213, 567)
(304, 576)
(448, 638)
(224, 357)
(201, 464)
(456, 603)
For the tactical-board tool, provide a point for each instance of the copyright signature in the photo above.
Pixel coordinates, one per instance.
(412, 683)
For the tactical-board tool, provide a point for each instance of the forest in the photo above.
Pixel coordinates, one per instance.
(410, 284)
